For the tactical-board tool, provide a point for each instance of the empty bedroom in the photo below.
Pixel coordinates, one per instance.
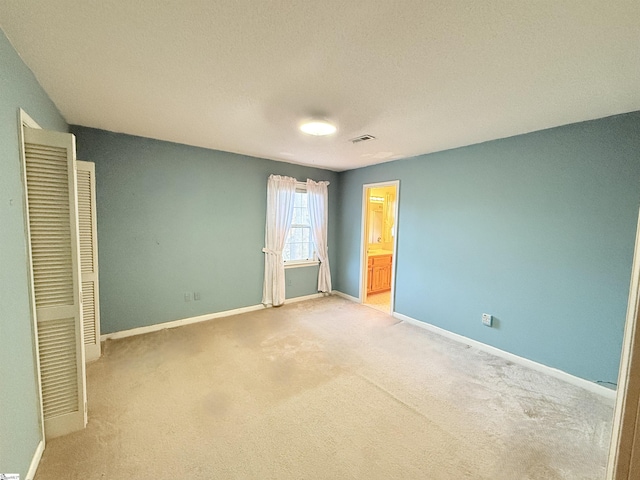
(272, 239)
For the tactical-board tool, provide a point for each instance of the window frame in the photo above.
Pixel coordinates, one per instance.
(302, 188)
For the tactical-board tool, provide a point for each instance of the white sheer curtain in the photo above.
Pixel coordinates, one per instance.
(317, 196)
(280, 195)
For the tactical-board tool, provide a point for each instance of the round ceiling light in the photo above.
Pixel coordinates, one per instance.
(318, 128)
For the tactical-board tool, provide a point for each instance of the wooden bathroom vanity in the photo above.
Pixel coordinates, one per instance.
(379, 277)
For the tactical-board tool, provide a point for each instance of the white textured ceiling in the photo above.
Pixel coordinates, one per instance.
(419, 75)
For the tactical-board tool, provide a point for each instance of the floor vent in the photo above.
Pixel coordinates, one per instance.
(362, 138)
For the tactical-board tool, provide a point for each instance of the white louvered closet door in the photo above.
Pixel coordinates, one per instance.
(87, 227)
(55, 261)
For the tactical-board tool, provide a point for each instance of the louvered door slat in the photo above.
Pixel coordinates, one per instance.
(85, 221)
(49, 290)
(89, 259)
(53, 233)
(89, 320)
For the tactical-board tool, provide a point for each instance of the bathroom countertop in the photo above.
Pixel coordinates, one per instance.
(377, 253)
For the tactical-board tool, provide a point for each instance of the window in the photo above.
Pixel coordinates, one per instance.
(298, 247)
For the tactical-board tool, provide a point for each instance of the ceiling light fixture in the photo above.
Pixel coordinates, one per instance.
(318, 128)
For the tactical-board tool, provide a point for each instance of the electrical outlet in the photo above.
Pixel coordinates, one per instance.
(487, 319)
(196, 296)
(187, 296)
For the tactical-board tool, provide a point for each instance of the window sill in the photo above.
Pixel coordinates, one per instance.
(302, 263)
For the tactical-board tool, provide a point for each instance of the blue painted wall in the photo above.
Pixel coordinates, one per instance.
(19, 407)
(536, 229)
(175, 219)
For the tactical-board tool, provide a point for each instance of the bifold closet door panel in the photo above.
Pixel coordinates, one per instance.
(88, 233)
(50, 174)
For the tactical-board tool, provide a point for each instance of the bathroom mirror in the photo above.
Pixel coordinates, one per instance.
(380, 219)
(375, 223)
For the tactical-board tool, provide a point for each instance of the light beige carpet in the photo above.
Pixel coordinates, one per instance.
(324, 389)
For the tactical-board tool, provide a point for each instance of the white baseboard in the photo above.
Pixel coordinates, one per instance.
(606, 393)
(178, 323)
(201, 318)
(344, 295)
(305, 297)
(31, 473)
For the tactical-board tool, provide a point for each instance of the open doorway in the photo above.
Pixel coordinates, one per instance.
(379, 222)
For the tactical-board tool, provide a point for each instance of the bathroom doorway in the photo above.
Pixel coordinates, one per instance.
(379, 233)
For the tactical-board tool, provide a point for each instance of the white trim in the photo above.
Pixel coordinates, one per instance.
(605, 392)
(178, 323)
(362, 282)
(306, 297)
(301, 187)
(608, 394)
(35, 461)
(301, 263)
(201, 318)
(626, 421)
(24, 120)
(355, 300)
(344, 295)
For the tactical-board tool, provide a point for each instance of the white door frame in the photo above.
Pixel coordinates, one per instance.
(24, 120)
(624, 451)
(363, 237)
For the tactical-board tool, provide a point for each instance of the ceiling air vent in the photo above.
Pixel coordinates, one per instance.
(362, 138)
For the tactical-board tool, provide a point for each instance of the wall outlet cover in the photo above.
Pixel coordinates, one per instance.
(187, 297)
(487, 319)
